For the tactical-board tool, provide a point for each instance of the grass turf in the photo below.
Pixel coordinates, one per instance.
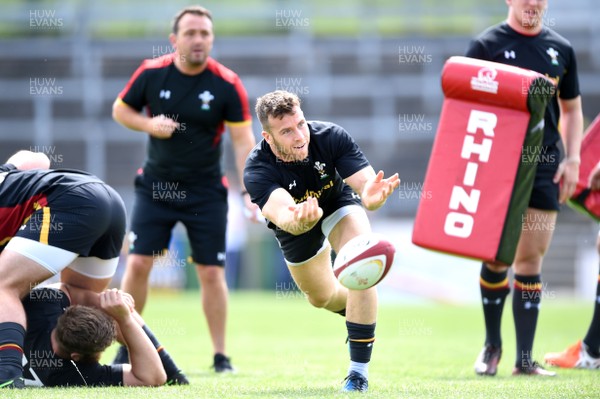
(284, 348)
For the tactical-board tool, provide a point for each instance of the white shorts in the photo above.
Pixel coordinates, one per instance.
(56, 259)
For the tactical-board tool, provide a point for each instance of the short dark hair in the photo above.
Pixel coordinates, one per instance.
(275, 104)
(85, 330)
(196, 10)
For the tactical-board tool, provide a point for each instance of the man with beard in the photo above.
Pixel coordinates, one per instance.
(189, 98)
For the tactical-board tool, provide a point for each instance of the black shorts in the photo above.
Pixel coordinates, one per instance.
(87, 219)
(200, 207)
(300, 248)
(545, 192)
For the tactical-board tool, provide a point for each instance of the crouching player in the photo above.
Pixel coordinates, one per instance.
(311, 181)
(51, 221)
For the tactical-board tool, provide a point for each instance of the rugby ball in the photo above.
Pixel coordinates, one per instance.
(363, 261)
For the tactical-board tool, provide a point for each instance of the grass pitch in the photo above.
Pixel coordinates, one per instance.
(284, 348)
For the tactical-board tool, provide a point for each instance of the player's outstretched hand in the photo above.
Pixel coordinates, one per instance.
(377, 190)
(305, 215)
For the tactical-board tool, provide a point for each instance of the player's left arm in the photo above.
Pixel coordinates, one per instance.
(243, 142)
(146, 368)
(571, 129)
(372, 187)
(26, 160)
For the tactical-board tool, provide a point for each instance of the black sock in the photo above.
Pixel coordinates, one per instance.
(12, 339)
(592, 339)
(169, 365)
(360, 339)
(494, 289)
(526, 307)
(122, 356)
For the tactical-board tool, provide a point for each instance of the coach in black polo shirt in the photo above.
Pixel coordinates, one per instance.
(188, 98)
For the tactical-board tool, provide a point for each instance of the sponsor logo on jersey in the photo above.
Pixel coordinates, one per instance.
(553, 54)
(166, 94)
(510, 54)
(315, 194)
(293, 184)
(132, 237)
(206, 98)
(485, 81)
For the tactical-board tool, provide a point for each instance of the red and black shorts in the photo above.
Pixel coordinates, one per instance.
(88, 219)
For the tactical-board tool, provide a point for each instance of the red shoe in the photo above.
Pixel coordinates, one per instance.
(533, 369)
(574, 357)
(487, 361)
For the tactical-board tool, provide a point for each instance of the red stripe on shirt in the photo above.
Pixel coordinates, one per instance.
(151, 63)
(231, 77)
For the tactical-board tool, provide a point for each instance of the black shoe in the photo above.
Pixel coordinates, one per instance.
(487, 361)
(122, 356)
(178, 379)
(222, 364)
(533, 368)
(15, 383)
(355, 382)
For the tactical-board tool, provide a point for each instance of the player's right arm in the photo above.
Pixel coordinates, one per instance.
(158, 126)
(132, 100)
(296, 219)
(146, 368)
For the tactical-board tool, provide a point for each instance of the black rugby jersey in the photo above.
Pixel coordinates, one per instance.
(22, 192)
(201, 104)
(547, 53)
(43, 307)
(333, 155)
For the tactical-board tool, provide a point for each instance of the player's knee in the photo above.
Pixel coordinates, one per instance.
(496, 268)
(528, 266)
(14, 290)
(16, 286)
(210, 275)
(319, 299)
(139, 265)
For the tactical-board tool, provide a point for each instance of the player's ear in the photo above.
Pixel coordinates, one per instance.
(267, 137)
(173, 40)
